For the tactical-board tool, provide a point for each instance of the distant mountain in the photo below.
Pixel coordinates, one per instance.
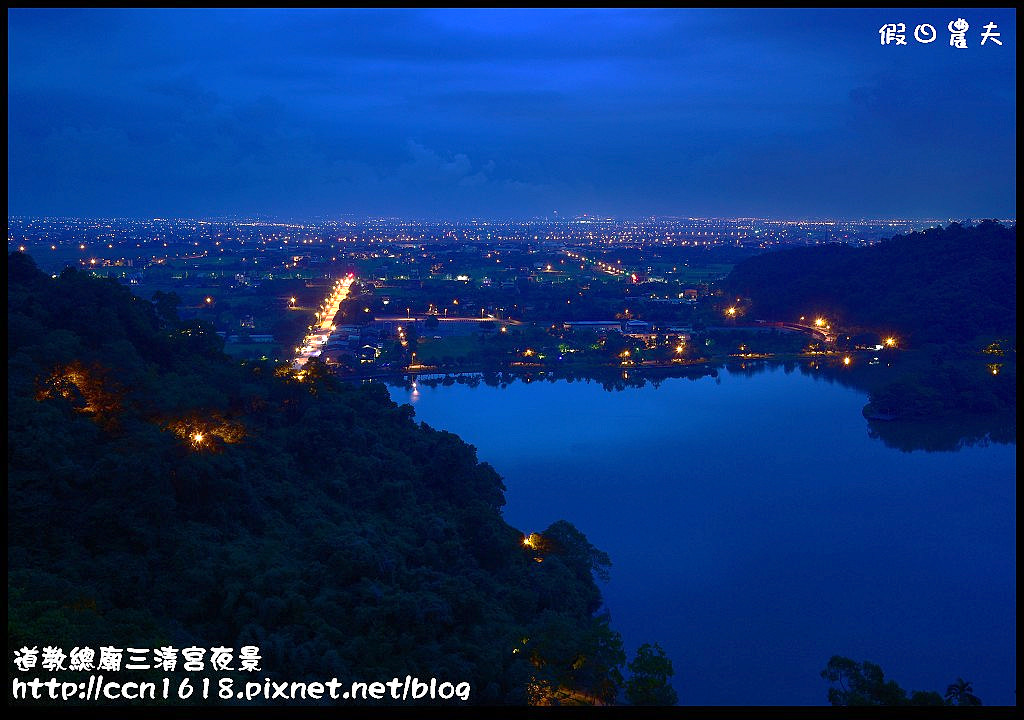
(160, 493)
(942, 285)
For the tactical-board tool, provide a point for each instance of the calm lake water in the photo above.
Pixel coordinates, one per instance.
(755, 529)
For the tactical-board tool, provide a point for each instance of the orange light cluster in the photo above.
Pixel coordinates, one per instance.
(207, 433)
(86, 388)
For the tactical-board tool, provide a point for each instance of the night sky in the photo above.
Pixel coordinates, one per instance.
(508, 113)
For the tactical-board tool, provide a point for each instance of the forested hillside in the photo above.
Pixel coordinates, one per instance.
(160, 493)
(940, 285)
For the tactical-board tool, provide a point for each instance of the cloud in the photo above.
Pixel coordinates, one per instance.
(511, 112)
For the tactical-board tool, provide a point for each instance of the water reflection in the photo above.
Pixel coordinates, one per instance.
(946, 433)
(755, 527)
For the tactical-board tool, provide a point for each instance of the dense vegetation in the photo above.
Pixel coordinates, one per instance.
(948, 294)
(854, 684)
(160, 493)
(943, 284)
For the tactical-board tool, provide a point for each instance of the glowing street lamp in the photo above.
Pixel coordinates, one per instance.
(534, 541)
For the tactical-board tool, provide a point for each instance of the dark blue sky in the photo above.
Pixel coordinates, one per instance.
(508, 113)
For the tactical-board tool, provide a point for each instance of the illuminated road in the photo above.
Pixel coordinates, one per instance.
(314, 343)
(815, 332)
(614, 270)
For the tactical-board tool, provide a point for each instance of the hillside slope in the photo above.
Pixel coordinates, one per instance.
(945, 283)
(160, 493)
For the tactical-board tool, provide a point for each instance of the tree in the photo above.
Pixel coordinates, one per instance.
(650, 682)
(166, 305)
(576, 661)
(858, 684)
(961, 693)
(577, 552)
(615, 343)
(864, 683)
(920, 697)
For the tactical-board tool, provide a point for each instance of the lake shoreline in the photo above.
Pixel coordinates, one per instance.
(746, 511)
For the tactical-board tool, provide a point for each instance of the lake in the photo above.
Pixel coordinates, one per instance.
(755, 528)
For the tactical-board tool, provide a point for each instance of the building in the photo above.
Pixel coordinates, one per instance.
(598, 326)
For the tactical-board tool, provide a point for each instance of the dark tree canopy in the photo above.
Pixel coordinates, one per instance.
(961, 692)
(650, 683)
(160, 493)
(932, 286)
(856, 684)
